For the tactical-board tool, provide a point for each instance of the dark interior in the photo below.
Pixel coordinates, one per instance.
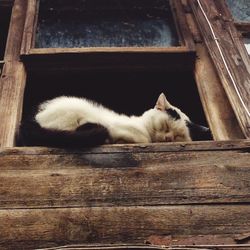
(99, 23)
(4, 22)
(124, 92)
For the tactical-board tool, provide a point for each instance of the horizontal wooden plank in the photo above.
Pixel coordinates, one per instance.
(44, 178)
(51, 227)
(145, 247)
(149, 186)
(42, 51)
(143, 148)
(110, 58)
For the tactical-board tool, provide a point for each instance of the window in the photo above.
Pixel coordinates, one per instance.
(5, 10)
(241, 13)
(107, 23)
(144, 46)
(133, 34)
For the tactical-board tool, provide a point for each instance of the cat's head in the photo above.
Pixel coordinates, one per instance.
(171, 124)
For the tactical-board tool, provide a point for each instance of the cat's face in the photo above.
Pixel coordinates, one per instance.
(171, 124)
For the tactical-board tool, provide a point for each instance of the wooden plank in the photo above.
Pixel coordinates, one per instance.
(183, 30)
(180, 49)
(219, 113)
(243, 27)
(123, 178)
(178, 58)
(13, 78)
(29, 26)
(14, 39)
(51, 227)
(236, 145)
(145, 247)
(234, 52)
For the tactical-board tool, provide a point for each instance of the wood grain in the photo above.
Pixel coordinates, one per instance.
(177, 58)
(219, 113)
(234, 52)
(95, 178)
(51, 227)
(13, 78)
(29, 26)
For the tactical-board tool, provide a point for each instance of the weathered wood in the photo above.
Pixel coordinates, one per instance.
(243, 145)
(50, 227)
(29, 26)
(172, 58)
(176, 58)
(243, 27)
(181, 49)
(13, 78)
(145, 247)
(181, 24)
(234, 52)
(126, 176)
(219, 113)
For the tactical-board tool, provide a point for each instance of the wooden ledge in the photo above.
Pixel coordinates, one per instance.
(143, 148)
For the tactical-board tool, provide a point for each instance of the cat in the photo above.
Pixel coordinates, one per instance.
(78, 122)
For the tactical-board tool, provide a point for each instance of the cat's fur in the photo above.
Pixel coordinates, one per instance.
(72, 121)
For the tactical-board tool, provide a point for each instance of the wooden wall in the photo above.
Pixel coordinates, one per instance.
(117, 194)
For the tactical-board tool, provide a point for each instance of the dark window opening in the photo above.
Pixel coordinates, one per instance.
(130, 93)
(4, 21)
(109, 23)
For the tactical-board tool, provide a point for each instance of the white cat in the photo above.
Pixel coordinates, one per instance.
(73, 121)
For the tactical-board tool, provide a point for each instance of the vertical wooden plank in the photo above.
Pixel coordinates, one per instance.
(13, 78)
(181, 24)
(233, 52)
(29, 26)
(219, 113)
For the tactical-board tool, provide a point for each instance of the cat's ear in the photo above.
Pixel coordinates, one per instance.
(162, 103)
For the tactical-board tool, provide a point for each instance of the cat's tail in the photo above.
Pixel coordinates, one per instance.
(87, 135)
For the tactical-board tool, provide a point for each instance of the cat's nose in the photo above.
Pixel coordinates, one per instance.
(169, 137)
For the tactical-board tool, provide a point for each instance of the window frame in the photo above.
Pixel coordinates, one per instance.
(134, 56)
(13, 79)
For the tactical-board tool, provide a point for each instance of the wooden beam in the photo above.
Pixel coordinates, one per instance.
(13, 78)
(219, 113)
(111, 177)
(34, 228)
(234, 52)
(175, 58)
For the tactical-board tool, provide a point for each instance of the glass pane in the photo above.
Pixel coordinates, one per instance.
(105, 23)
(240, 9)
